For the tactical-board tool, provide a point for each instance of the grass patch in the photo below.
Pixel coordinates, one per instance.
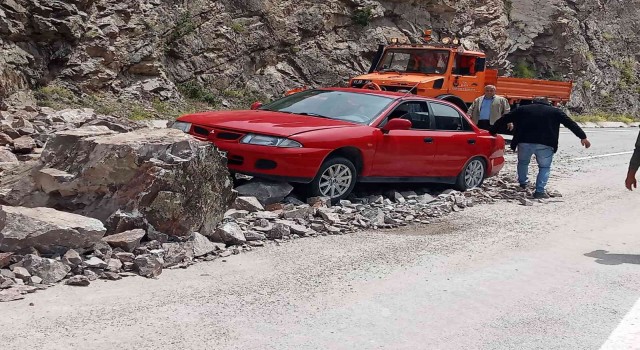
(238, 27)
(627, 70)
(598, 117)
(587, 85)
(363, 16)
(524, 70)
(608, 36)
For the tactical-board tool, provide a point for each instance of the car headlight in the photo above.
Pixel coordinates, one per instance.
(181, 126)
(265, 140)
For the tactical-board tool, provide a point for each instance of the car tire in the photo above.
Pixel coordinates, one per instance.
(335, 179)
(472, 175)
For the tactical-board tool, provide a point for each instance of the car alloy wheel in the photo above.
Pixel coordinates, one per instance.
(474, 173)
(335, 181)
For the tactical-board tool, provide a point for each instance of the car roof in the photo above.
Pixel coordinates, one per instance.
(395, 95)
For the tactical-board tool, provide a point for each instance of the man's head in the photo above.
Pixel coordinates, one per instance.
(489, 91)
(541, 100)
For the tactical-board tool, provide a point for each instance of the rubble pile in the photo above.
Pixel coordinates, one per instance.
(24, 130)
(86, 197)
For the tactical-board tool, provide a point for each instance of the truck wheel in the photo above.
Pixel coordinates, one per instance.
(472, 175)
(335, 179)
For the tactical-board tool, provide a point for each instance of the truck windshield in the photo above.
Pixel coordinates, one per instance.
(427, 61)
(360, 108)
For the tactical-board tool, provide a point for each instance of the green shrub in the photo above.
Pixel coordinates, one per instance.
(363, 16)
(194, 91)
(523, 70)
(627, 70)
(184, 26)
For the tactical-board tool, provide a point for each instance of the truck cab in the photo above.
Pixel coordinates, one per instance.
(449, 72)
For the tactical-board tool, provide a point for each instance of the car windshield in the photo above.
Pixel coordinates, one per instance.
(414, 61)
(361, 108)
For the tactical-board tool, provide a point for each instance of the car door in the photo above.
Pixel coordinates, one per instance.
(405, 153)
(455, 140)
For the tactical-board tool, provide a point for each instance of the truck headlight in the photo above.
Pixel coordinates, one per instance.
(266, 140)
(181, 126)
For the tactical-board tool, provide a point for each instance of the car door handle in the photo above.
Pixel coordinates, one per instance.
(428, 139)
(471, 141)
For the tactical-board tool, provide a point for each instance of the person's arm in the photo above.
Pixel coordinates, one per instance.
(574, 127)
(634, 164)
(502, 122)
(507, 107)
(471, 111)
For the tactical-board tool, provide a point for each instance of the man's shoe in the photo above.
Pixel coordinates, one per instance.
(524, 186)
(541, 195)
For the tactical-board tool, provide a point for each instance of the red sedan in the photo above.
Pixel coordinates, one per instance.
(332, 138)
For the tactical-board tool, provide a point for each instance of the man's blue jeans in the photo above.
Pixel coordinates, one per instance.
(544, 157)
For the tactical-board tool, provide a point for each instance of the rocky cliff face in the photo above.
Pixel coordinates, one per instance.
(227, 52)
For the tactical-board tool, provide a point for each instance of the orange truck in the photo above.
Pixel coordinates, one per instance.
(447, 71)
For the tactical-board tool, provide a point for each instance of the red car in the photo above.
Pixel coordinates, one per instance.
(332, 138)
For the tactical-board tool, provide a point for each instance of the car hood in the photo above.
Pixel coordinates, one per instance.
(264, 122)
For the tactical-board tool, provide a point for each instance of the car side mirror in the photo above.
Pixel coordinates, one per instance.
(396, 124)
(256, 105)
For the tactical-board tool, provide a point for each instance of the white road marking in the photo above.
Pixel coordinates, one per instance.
(603, 155)
(627, 335)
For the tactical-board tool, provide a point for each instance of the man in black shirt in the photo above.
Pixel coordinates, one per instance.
(536, 129)
(634, 164)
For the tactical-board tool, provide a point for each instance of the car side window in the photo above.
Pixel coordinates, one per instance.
(417, 112)
(447, 118)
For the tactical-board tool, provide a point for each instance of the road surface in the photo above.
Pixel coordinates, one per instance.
(560, 275)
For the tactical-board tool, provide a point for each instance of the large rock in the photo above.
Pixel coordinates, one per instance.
(250, 204)
(229, 233)
(47, 230)
(127, 241)
(161, 178)
(7, 156)
(24, 144)
(266, 192)
(5, 259)
(148, 265)
(49, 270)
(201, 245)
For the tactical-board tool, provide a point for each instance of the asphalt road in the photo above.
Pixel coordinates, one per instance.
(560, 275)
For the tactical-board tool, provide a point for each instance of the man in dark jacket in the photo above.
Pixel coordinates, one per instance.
(536, 129)
(634, 164)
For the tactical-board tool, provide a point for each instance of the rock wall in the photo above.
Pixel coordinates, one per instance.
(147, 48)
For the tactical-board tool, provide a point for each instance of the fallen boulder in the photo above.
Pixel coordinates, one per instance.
(23, 144)
(201, 245)
(250, 204)
(7, 156)
(78, 280)
(148, 265)
(47, 230)
(127, 241)
(160, 178)
(49, 270)
(266, 192)
(229, 233)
